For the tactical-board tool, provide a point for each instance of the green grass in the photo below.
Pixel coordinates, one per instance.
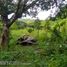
(50, 51)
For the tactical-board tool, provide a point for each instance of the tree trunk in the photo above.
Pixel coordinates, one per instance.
(5, 36)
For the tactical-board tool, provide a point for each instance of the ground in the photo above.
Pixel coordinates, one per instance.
(50, 50)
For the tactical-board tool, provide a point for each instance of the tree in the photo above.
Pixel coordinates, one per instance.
(60, 12)
(19, 8)
(63, 13)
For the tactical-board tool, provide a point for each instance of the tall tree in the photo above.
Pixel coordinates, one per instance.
(19, 8)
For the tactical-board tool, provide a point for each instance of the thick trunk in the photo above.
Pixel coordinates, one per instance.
(5, 36)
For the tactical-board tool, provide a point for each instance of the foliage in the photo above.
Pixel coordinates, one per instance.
(21, 24)
(62, 14)
(51, 50)
(30, 30)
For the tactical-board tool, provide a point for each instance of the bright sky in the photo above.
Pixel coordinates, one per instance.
(46, 14)
(42, 15)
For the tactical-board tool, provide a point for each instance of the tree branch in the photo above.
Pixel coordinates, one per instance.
(32, 4)
(23, 9)
(14, 17)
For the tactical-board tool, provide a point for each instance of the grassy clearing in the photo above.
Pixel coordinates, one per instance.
(51, 50)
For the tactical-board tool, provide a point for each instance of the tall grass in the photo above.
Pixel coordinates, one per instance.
(50, 50)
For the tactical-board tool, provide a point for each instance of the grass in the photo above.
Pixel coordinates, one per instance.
(50, 51)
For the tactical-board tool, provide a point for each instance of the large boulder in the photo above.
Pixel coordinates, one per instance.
(26, 40)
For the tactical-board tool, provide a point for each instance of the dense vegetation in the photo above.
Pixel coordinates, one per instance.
(51, 47)
(50, 35)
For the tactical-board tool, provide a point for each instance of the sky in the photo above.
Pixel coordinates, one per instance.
(42, 15)
(46, 14)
